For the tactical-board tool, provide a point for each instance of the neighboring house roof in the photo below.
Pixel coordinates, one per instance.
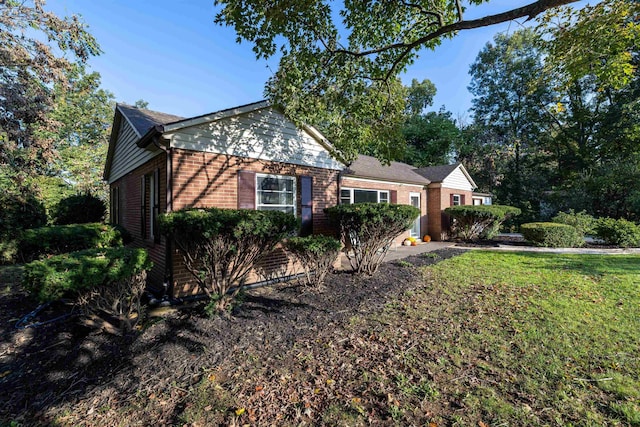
(438, 174)
(142, 120)
(371, 168)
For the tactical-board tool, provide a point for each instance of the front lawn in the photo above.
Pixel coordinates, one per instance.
(484, 338)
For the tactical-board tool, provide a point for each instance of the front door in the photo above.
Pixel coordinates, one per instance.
(414, 199)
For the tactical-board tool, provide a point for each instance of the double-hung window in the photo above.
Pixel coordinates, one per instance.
(356, 195)
(276, 193)
(456, 200)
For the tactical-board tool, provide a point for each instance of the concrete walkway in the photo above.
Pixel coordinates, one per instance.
(592, 251)
(399, 252)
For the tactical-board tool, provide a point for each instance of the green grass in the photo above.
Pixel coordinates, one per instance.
(551, 339)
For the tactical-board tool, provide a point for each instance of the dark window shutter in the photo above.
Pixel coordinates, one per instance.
(156, 205)
(306, 205)
(246, 190)
(462, 199)
(393, 196)
(143, 206)
(451, 200)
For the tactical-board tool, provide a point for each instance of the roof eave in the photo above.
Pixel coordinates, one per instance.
(377, 178)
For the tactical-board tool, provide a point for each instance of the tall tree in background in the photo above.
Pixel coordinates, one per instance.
(29, 67)
(339, 68)
(593, 58)
(511, 101)
(83, 112)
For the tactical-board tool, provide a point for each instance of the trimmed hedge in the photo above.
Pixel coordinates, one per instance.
(69, 275)
(367, 229)
(619, 232)
(474, 221)
(60, 239)
(80, 209)
(552, 235)
(582, 221)
(316, 254)
(220, 246)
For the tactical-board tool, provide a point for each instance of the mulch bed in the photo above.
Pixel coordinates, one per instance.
(79, 375)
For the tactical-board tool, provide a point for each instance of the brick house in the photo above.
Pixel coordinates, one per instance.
(248, 157)
(449, 185)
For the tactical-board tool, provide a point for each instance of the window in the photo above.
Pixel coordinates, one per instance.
(455, 200)
(276, 193)
(355, 195)
(477, 202)
(150, 206)
(114, 205)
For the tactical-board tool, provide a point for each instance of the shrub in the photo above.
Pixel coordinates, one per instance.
(316, 254)
(80, 209)
(220, 246)
(619, 232)
(581, 221)
(367, 230)
(60, 239)
(474, 221)
(69, 274)
(113, 279)
(551, 234)
(19, 212)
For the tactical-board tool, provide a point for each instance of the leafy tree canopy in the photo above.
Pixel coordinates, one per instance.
(37, 49)
(339, 65)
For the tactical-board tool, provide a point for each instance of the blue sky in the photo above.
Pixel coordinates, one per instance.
(172, 55)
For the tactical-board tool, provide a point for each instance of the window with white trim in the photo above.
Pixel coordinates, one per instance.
(276, 193)
(350, 196)
(456, 200)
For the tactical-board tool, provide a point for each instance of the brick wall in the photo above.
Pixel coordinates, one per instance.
(211, 180)
(403, 192)
(130, 214)
(439, 200)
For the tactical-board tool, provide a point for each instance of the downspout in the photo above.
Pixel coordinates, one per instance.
(168, 268)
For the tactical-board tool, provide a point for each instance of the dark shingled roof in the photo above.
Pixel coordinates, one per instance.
(370, 167)
(437, 173)
(143, 120)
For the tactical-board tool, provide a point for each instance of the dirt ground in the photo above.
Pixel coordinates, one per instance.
(72, 374)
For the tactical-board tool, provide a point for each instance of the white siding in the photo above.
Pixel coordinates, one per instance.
(127, 155)
(262, 134)
(457, 180)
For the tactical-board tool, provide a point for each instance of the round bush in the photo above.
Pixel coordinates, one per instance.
(552, 235)
(80, 209)
(619, 232)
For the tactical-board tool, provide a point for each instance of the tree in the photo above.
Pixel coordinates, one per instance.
(339, 75)
(28, 69)
(431, 138)
(511, 99)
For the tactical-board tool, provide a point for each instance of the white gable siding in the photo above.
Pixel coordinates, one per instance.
(127, 155)
(262, 134)
(457, 181)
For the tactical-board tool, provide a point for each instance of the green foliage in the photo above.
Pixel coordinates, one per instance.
(316, 254)
(367, 229)
(19, 212)
(618, 232)
(594, 40)
(45, 241)
(552, 235)
(581, 221)
(69, 275)
(220, 246)
(80, 209)
(473, 221)
(339, 63)
(509, 106)
(430, 138)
